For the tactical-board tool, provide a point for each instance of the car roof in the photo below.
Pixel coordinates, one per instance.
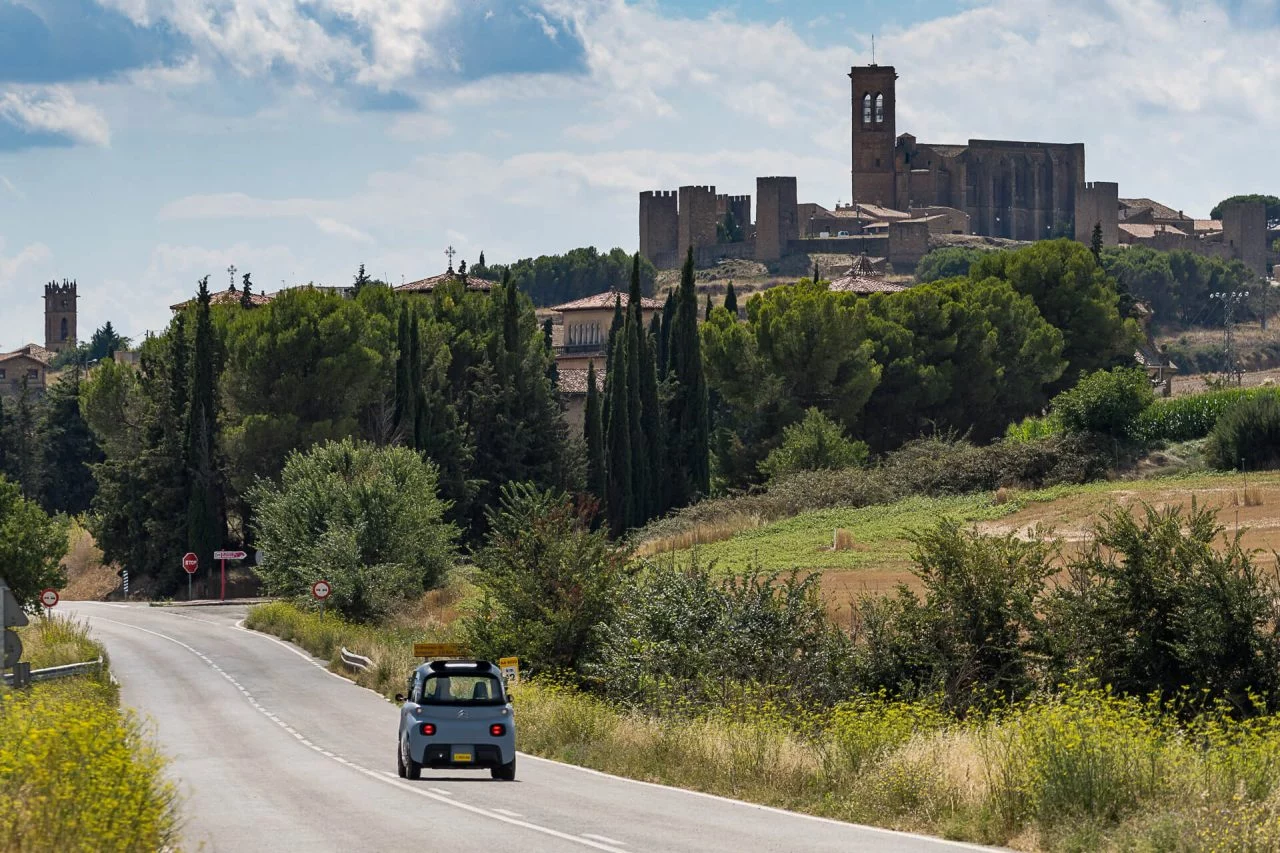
(459, 667)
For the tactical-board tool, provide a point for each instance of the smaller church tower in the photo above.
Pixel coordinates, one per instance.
(60, 315)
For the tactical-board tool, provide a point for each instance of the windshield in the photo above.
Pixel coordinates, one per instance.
(462, 690)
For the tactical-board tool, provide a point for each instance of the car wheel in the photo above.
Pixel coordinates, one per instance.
(412, 769)
(505, 772)
(400, 768)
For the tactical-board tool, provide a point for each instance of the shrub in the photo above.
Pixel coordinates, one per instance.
(684, 640)
(1105, 402)
(31, 546)
(1247, 435)
(946, 262)
(547, 578)
(1033, 429)
(814, 443)
(365, 518)
(1154, 607)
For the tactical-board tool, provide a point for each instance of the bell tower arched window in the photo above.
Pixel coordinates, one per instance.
(879, 109)
(64, 328)
(866, 108)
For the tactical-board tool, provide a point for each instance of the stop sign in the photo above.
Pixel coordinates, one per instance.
(48, 597)
(190, 562)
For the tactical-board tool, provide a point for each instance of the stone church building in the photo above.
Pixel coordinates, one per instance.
(1019, 190)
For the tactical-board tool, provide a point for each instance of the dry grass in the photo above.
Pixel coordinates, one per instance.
(703, 533)
(842, 540)
(87, 578)
(1001, 496)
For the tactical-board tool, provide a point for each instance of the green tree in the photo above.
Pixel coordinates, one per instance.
(104, 344)
(23, 457)
(1246, 436)
(947, 262)
(1105, 402)
(246, 293)
(206, 523)
(731, 300)
(621, 493)
(1095, 244)
(68, 449)
(548, 581)
(362, 280)
(1075, 295)
(593, 433)
(367, 519)
(688, 421)
(814, 443)
(32, 546)
(1271, 202)
(553, 279)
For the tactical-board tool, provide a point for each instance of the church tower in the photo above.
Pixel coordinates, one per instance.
(60, 315)
(874, 136)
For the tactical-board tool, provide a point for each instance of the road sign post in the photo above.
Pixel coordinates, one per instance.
(321, 590)
(190, 562)
(223, 556)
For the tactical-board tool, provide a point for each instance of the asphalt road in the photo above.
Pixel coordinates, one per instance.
(273, 752)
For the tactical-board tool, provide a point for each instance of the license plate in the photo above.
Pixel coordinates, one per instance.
(461, 757)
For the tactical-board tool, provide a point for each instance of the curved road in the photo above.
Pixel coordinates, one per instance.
(273, 752)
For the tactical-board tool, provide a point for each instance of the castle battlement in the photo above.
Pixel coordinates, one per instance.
(66, 288)
(648, 194)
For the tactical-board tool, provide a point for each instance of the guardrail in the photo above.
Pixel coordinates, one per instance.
(354, 660)
(49, 673)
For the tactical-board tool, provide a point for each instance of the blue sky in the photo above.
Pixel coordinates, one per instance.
(145, 143)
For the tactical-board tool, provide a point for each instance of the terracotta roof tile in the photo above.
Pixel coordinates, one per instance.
(225, 297)
(606, 300)
(574, 381)
(1147, 232)
(1159, 210)
(426, 285)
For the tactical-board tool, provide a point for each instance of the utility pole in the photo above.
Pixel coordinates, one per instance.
(1230, 299)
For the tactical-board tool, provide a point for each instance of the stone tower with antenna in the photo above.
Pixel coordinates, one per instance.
(60, 315)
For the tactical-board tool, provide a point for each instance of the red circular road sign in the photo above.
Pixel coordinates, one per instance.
(48, 597)
(190, 562)
(321, 589)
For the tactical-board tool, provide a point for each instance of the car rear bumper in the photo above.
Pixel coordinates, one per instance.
(440, 755)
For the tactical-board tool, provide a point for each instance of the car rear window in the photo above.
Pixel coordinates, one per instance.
(458, 689)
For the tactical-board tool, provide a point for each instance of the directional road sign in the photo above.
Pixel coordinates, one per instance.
(190, 562)
(49, 597)
(229, 555)
(438, 650)
(321, 590)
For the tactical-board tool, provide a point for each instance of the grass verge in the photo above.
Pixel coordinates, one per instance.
(1083, 770)
(77, 773)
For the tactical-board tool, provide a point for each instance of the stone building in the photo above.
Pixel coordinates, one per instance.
(60, 316)
(29, 364)
(580, 338)
(1013, 189)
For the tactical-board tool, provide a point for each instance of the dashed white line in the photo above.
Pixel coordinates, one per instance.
(432, 794)
(507, 812)
(602, 838)
(441, 792)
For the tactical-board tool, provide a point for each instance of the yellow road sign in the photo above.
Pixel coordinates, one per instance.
(438, 650)
(510, 668)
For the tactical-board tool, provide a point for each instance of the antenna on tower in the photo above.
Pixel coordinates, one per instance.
(873, 49)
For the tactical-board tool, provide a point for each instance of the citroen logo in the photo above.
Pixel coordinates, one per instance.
(462, 713)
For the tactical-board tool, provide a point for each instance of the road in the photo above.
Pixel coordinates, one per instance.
(273, 752)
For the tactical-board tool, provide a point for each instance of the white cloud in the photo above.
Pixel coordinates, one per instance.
(27, 256)
(242, 206)
(20, 293)
(55, 110)
(14, 191)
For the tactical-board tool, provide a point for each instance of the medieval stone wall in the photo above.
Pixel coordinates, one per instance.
(659, 228)
(1244, 230)
(1098, 203)
(697, 215)
(776, 217)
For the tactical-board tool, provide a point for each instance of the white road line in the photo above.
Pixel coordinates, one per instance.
(604, 838)
(959, 845)
(441, 792)
(507, 812)
(373, 774)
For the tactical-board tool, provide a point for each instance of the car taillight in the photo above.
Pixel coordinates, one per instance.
(428, 729)
(497, 730)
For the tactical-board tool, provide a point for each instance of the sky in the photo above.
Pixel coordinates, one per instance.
(147, 143)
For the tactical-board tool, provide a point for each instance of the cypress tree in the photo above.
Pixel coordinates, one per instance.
(67, 449)
(640, 503)
(361, 280)
(706, 313)
(593, 433)
(405, 395)
(618, 440)
(1096, 243)
(22, 443)
(416, 390)
(664, 342)
(206, 530)
(731, 301)
(510, 316)
(651, 426)
(688, 417)
(815, 272)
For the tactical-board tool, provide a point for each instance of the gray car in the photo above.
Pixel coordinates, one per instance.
(457, 715)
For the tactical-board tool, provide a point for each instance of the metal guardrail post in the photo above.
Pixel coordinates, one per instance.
(24, 676)
(355, 661)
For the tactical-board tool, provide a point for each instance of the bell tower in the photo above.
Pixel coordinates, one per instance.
(874, 134)
(60, 315)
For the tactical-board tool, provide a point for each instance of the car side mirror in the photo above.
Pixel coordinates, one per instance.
(400, 698)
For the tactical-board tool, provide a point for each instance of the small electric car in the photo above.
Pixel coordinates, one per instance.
(457, 715)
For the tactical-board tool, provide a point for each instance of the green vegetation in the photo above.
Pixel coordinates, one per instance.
(1175, 286)
(947, 262)
(1105, 403)
(31, 546)
(1192, 416)
(1247, 435)
(366, 519)
(76, 773)
(553, 279)
(815, 443)
(1272, 204)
